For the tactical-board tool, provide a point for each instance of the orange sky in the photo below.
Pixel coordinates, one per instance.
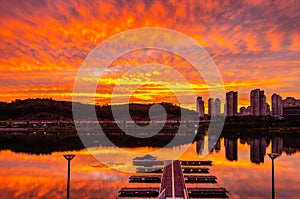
(255, 44)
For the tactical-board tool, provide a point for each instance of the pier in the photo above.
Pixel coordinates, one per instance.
(200, 179)
(187, 179)
(139, 192)
(173, 182)
(196, 163)
(145, 179)
(149, 170)
(195, 170)
(207, 192)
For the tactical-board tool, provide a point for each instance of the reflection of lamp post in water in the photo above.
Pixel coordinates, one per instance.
(69, 157)
(273, 156)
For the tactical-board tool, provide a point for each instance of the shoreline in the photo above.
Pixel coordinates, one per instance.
(41, 143)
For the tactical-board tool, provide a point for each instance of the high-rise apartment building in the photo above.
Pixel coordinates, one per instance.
(231, 103)
(255, 102)
(258, 104)
(217, 106)
(211, 107)
(244, 111)
(214, 106)
(200, 106)
(277, 105)
(290, 102)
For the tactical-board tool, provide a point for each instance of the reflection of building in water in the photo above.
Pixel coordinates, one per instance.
(200, 145)
(277, 145)
(212, 140)
(289, 150)
(218, 145)
(291, 144)
(257, 149)
(231, 148)
(243, 140)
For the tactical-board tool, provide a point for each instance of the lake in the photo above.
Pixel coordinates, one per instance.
(240, 164)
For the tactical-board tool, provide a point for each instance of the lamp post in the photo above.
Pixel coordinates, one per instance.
(69, 157)
(273, 156)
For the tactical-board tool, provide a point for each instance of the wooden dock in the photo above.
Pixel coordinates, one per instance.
(173, 182)
(187, 179)
(207, 192)
(195, 170)
(145, 179)
(196, 163)
(200, 179)
(147, 162)
(139, 192)
(149, 170)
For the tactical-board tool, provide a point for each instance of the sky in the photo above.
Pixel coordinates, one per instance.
(254, 44)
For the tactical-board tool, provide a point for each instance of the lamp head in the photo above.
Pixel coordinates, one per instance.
(273, 155)
(69, 156)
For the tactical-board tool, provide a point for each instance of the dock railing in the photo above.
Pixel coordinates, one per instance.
(162, 194)
(185, 192)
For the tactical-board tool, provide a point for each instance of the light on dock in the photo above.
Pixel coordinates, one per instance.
(69, 157)
(273, 156)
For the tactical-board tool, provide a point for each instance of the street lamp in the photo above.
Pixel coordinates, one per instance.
(273, 156)
(69, 157)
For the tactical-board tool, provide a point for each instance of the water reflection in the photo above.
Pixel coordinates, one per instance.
(238, 161)
(277, 145)
(200, 144)
(257, 149)
(231, 148)
(257, 144)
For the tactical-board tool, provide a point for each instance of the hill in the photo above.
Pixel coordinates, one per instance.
(49, 109)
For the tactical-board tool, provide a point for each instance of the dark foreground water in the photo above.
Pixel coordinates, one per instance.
(240, 164)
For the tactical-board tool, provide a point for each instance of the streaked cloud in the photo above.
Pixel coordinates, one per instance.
(253, 43)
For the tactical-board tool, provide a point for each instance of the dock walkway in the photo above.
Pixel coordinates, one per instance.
(173, 182)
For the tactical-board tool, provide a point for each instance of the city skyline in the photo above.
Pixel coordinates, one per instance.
(254, 44)
(258, 104)
(279, 102)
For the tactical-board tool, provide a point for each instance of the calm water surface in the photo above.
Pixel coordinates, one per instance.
(241, 166)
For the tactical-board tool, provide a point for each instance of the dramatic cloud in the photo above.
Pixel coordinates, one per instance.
(255, 44)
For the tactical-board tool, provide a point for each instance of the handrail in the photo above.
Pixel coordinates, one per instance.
(162, 194)
(162, 179)
(185, 195)
(162, 182)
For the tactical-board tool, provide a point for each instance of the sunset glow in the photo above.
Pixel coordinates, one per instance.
(255, 44)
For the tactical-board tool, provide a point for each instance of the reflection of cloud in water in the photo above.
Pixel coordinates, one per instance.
(28, 176)
(100, 165)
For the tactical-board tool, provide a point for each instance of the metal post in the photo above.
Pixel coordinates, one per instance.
(68, 183)
(69, 157)
(273, 187)
(273, 156)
